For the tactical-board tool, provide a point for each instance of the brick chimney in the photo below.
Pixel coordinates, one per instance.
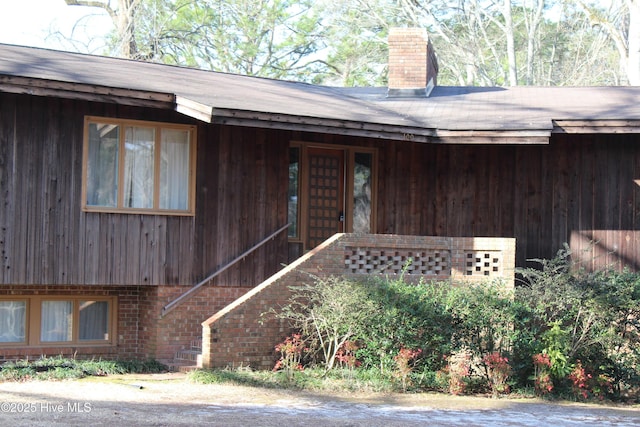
(413, 67)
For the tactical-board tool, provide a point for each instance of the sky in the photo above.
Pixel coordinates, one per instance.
(50, 23)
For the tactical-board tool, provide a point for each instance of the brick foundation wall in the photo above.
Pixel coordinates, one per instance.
(179, 327)
(236, 337)
(141, 332)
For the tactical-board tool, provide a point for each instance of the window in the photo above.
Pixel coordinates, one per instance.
(37, 320)
(292, 196)
(362, 193)
(142, 167)
(13, 321)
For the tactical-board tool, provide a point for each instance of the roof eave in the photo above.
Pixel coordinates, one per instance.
(86, 92)
(379, 130)
(210, 114)
(610, 126)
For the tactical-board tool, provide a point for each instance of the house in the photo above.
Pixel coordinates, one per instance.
(125, 184)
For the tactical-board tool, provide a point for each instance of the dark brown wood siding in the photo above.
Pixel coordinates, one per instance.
(45, 238)
(576, 189)
(579, 189)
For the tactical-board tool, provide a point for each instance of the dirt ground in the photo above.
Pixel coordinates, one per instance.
(170, 400)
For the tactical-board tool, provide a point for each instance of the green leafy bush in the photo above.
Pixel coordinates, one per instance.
(564, 331)
(578, 317)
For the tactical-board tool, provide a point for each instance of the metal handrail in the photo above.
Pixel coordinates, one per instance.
(170, 306)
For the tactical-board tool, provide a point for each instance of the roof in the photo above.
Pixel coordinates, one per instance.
(522, 114)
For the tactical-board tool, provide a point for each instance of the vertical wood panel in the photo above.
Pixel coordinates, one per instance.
(545, 199)
(483, 221)
(520, 206)
(495, 193)
(574, 181)
(260, 183)
(8, 137)
(542, 195)
(47, 239)
(442, 177)
(415, 190)
(626, 170)
(506, 195)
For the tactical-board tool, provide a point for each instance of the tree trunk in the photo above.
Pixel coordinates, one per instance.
(633, 38)
(531, 35)
(123, 17)
(511, 49)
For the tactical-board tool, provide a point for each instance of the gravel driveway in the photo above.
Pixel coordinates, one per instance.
(168, 399)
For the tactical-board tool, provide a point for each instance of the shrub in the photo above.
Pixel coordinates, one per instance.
(483, 317)
(542, 377)
(414, 316)
(498, 371)
(534, 337)
(459, 370)
(347, 355)
(581, 315)
(404, 365)
(579, 381)
(327, 315)
(291, 350)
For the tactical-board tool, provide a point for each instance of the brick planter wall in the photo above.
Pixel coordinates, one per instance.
(239, 335)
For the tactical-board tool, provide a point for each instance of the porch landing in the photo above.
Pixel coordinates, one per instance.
(238, 335)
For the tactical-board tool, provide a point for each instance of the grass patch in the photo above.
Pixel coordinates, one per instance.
(60, 368)
(336, 380)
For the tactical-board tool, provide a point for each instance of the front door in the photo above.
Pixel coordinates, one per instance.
(331, 190)
(325, 203)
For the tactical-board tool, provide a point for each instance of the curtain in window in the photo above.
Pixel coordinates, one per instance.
(56, 321)
(138, 167)
(174, 169)
(94, 320)
(102, 165)
(12, 321)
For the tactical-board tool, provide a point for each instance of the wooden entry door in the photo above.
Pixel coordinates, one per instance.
(325, 202)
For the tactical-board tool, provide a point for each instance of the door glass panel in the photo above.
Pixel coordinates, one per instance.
(362, 193)
(294, 180)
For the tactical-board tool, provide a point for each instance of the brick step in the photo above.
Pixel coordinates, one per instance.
(190, 355)
(181, 366)
(187, 359)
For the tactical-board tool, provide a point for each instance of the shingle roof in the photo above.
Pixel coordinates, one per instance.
(235, 97)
